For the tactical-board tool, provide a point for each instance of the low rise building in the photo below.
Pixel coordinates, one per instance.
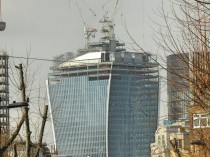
(170, 140)
(199, 131)
(179, 143)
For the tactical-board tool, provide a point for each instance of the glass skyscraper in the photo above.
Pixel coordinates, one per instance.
(178, 86)
(104, 102)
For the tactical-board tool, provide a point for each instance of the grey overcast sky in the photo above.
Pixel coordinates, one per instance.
(53, 27)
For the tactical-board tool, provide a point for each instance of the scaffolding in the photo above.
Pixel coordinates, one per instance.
(4, 98)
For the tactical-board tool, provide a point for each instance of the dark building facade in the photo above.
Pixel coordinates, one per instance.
(178, 86)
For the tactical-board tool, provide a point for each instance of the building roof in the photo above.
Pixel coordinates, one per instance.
(88, 58)
(3, 53)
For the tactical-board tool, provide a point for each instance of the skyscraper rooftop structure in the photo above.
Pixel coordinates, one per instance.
(104, 102)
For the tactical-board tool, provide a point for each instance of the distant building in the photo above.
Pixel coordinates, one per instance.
(4, 98)
(176, 134)
(178, 86)
(104, 102)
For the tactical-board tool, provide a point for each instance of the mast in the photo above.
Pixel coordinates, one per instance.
(107, 28)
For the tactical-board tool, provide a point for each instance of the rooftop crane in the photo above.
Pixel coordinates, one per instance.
(88, 31)
(2, 24)
(108, 24)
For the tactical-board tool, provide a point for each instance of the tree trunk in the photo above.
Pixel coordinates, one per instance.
(44, 119)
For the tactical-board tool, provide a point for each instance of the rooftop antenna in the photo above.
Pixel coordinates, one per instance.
(143, 38)
(88, 31)
(2, 24)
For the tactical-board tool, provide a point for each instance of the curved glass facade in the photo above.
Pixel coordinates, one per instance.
(79, 114)
(105, 109)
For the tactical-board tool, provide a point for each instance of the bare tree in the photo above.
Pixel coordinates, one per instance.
(186, 35)
(22, 78)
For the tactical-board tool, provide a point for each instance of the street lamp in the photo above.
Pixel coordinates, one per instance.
(15, 105)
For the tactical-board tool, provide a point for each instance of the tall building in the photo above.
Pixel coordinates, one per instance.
(178, 86)
(4, 98)
(104, 102)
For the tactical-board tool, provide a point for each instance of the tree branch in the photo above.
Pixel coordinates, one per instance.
(14, 135)
(44, 119)
(202, 2)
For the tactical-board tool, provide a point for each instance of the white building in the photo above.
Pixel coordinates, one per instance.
(177, 132)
